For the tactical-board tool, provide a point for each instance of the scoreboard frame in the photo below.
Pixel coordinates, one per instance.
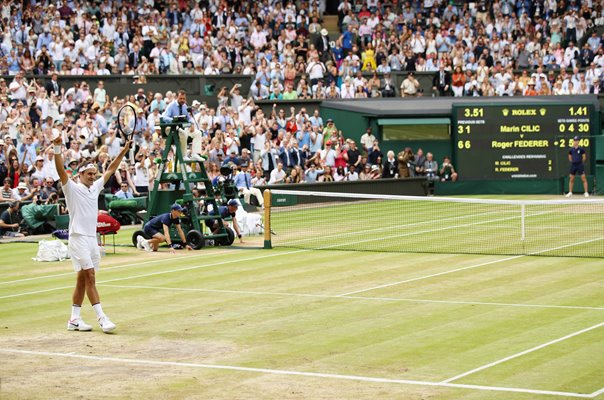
(520, 140)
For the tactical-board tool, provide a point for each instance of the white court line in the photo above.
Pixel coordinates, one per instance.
(296, 373)
(326, 296)
(162, 272)
(430, 276)
(277, 255)
(111, 268)
(470, 267)
(522, 353)
(597, 393)
(356, 232)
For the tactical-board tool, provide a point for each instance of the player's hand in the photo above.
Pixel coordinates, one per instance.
(189, 248)
(57, 141)
(172, 251)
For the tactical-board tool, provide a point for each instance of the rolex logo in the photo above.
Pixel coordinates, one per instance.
(505, 112)
(542, 111)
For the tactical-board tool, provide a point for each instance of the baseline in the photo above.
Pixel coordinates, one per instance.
(297, 373)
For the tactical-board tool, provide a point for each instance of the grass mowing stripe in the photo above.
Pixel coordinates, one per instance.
(295, 252)
(429, 276)
(297, 373)
(365, 231)
(108, 268)
(470, 267)
(326, 296)
(522, 353)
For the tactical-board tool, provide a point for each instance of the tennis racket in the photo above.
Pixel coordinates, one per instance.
(126, 121)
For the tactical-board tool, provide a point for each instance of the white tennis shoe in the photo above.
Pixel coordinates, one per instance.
(569, 194)
(78, 324)
(586, 194)
(139, 241)
(145, 245)
(106, 325)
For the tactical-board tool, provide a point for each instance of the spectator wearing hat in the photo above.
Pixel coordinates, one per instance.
(36, 171)
(530, 89)
(22, 193)
(158, 229)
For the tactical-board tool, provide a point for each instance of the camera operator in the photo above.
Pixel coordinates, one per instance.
(9, 221)
(223, 212)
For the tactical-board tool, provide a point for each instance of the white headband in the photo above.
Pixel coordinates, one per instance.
(87, 167)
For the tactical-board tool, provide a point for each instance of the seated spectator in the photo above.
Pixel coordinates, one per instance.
(22, 193)
(410, 87)
(124, 193)
(431, 167)
(390, 166)
(243, 182)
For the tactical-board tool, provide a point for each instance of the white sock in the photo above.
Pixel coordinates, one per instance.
(99, 310)
(75, 311)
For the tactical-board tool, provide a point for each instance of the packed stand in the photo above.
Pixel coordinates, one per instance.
(486, 48)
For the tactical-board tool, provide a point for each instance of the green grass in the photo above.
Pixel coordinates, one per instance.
(442, 227)
(427, 318)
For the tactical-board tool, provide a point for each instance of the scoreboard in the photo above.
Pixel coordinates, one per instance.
(520, 141)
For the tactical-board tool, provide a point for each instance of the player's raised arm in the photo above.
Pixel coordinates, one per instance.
(116, 162)
(59, 163)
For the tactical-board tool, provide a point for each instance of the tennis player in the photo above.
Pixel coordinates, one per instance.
(577, 157)
(82, 203)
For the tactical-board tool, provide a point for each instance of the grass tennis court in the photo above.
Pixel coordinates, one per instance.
(287, 323)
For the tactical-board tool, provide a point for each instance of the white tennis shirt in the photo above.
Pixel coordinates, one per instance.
(83, 206)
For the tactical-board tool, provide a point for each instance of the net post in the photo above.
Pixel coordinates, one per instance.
(522, 220)
(267, 219)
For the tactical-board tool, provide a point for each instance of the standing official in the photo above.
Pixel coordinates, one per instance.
(577, 157)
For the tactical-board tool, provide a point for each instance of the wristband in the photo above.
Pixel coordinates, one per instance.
(239, 236)
(57, 148)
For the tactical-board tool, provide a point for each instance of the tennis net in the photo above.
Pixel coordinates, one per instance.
(337, 221)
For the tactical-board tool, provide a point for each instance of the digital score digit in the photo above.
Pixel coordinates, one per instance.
(519, 141)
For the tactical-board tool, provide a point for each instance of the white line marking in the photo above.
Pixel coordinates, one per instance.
(430, 276)
(356, 231)
(470, 267)
(164, 272)
(282, 254)
(296, 373)
(522, 353)
(326, 296)
(159, 260)
(597, 393)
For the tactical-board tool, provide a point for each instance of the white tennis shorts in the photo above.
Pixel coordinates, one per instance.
(84, 251)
